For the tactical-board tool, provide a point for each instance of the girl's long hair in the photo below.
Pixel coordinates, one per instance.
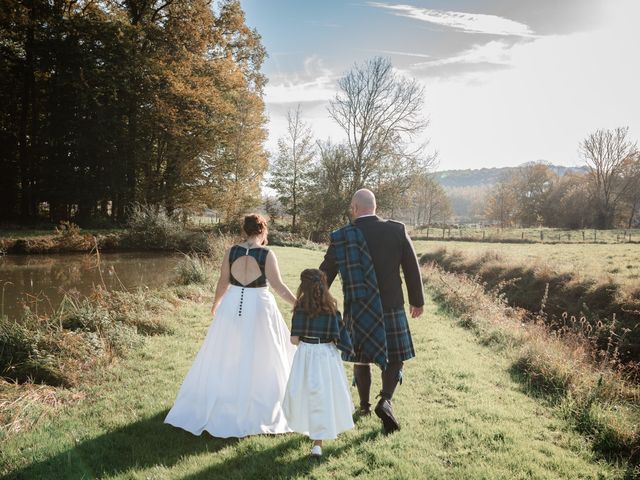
(313, 293)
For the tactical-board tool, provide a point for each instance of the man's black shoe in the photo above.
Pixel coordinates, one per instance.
(385, 413)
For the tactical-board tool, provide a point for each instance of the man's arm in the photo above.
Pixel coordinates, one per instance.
(412, 276)
(329, 265)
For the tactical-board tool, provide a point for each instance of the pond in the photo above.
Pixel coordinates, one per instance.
(41, 281)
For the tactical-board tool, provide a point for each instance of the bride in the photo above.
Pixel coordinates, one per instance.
(236, 384)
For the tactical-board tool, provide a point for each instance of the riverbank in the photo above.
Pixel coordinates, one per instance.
(171, 238)
(464, 414)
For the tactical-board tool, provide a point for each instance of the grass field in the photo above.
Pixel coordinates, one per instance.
(619, 261)
(464, 415)
(541, 235)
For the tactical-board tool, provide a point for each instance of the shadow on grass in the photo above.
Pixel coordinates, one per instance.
(150, 442)
(275, 462)
(139, 445)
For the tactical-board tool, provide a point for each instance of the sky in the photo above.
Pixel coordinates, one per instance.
(506, 81)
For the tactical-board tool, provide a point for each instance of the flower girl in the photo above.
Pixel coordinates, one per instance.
(317, 400)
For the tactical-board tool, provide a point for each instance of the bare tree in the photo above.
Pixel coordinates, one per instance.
(605, 152)
(289, 172)
(380, 112)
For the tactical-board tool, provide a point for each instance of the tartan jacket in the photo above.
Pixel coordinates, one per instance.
(363, 312)
(324, 326)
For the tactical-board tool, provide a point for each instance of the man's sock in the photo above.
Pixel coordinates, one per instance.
(362, 377)
(390, 378)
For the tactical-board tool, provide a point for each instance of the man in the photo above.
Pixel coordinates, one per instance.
(368, 254)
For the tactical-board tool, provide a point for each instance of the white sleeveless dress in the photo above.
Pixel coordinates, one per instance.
(236, 384)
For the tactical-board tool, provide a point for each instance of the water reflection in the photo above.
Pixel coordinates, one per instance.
(40, 281)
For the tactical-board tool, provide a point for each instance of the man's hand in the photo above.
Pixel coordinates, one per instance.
(415, 311)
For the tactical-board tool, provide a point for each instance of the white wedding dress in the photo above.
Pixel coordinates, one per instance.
(236, 384)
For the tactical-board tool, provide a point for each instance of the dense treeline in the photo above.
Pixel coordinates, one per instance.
(104, 104)
(606, 196)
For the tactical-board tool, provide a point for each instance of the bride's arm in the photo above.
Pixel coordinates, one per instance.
(274, 278)
(223, 282)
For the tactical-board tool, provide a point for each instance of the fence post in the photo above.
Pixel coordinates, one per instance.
(583, 235)
(541, 236)
(595, 235)
(482, 234)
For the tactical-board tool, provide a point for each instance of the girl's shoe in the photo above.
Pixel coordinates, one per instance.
(316, 451)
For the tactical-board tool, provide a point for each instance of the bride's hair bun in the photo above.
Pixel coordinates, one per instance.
(254, 224)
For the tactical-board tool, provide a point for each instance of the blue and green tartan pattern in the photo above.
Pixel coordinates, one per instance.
(363, 314)
(399, 342)
(326, 325)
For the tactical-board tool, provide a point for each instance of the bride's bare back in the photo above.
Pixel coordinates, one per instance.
(245, 269)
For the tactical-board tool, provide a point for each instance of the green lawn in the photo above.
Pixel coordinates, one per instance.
(463, 416)
(620, 261)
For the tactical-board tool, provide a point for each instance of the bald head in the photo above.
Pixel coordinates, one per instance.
(363, 203)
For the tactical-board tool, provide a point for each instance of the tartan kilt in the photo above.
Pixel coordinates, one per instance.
(399, 343)
(398, 336)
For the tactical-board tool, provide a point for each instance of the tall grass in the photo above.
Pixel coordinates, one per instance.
(597, 397)
(80, 335)
(601, 310)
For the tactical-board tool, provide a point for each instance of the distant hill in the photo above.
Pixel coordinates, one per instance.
(485, 177)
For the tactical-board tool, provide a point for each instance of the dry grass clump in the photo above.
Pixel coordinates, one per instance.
(588, 384)
(24, 405)
(41, 353)
(81, 334)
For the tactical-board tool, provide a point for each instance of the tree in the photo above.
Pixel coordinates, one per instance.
(631, 197)
(290, 171)
(326, 203)
(428, 201)
(501, 203)
(103, 104)
(380, 113)
(605, 152)
(531, 185)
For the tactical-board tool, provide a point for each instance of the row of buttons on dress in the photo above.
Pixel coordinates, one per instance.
(241, 299)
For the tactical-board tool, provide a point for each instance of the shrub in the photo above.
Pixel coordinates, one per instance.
(192, 269)
(152, 227)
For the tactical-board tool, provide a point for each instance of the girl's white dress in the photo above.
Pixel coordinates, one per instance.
(236, 384)
(317, 401)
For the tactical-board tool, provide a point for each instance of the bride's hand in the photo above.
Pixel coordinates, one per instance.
(213, 309)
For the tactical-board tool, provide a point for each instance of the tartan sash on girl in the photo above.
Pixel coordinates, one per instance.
(363, 314)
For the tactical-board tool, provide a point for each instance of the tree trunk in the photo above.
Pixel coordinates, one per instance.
(24, 150)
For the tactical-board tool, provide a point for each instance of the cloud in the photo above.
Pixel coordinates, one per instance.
(466, 22)
(555, 91)
(394, 52)
(495, 52)
(316, 83)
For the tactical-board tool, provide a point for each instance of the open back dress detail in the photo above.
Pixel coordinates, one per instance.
(236, 384)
